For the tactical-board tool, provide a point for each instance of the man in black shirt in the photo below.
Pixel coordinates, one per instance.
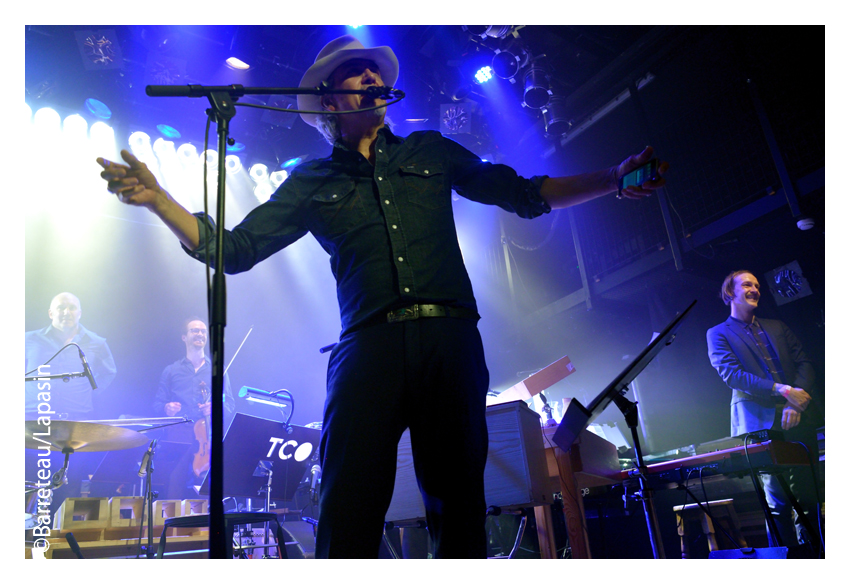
(380, 205)
(184, 390)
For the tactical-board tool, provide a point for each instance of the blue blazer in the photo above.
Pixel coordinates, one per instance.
(737, 359)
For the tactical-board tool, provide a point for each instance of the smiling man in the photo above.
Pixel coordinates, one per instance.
(184, 390)
(74, 397)
(410, 354)
(763, 363)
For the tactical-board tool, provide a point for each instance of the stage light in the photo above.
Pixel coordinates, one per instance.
(75, 127)
(163, 148)
(537, 92)
(354, 26)
(507, 63)
(499, 31)
(291, 162)
(484, 75)
(167, 131)
(277, 177)
(237, 64)
(235, 147)
(232, 164)
(212, 160)
(263, 191)
(555, 117)
(46, 120)
(28, 112)
(103, 138)
(187, 154)
(139, 140)
(259, 172)
(98, 108)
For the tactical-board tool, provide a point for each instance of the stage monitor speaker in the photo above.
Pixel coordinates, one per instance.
(771, 553)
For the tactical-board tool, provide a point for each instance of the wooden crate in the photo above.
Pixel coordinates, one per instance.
(135, 505)
(77, 513)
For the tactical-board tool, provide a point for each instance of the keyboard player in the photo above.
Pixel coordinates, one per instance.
(771, 378)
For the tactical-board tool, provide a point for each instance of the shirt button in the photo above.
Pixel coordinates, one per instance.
(401, 259)
(381, 151)
(407, 289)
(395, 226)
(333, 197)
(387, 201)
(380, 178)
(426, 172)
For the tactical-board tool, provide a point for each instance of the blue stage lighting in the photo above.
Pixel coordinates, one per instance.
(98, 108)
(484, 74)
(291, 162)
(236, 147)
(167, 131)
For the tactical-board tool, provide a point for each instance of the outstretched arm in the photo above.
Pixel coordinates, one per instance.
(562, 192)
(136, 185)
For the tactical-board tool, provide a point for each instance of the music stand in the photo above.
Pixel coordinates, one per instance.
(250, 440)
(577, 417)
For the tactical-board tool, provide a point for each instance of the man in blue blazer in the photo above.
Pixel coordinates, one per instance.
(763, 363)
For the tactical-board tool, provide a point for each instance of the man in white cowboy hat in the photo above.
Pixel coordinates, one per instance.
(409, 355)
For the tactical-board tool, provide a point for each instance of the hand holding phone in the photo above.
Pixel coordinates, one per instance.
(638, 176)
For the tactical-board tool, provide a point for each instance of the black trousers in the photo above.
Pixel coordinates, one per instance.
(429, 375)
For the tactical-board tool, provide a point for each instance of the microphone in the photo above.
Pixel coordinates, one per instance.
(316, 471)
(86, 368)
(383, 92)
(143, 467)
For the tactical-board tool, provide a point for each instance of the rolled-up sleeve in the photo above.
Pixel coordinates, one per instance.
(494, 184)
(264, 231)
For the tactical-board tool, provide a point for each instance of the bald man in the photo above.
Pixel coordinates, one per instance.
(73, 398)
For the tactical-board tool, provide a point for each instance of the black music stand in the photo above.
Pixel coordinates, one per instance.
(577, 417)
(250, 440)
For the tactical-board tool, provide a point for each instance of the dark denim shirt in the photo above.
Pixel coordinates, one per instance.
(389, 229)
(180, 382)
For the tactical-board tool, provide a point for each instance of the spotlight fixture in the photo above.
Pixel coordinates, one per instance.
(98, 108)
(537, 92)
(508, 61)
(484, 75)
(238, 64)
(496, 31)
(167, 131)
(259, 172)
(555, 118)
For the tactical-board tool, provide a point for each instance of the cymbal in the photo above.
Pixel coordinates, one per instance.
(81, 436)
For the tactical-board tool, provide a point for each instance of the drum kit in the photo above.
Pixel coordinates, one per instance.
(69, 437)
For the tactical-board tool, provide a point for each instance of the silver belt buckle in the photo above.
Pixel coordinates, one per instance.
(402, 314)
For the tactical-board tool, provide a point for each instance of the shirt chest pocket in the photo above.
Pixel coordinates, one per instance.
(338, 207)
(425, 185)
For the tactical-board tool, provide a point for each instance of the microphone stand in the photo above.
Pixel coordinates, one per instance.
(223, 101)
(148, 467)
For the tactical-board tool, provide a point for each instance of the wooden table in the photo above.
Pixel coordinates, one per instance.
(591, 461)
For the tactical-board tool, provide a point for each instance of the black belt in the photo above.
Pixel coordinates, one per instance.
(430, 310)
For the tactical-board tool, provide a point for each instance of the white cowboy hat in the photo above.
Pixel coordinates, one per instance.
(334, 54)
